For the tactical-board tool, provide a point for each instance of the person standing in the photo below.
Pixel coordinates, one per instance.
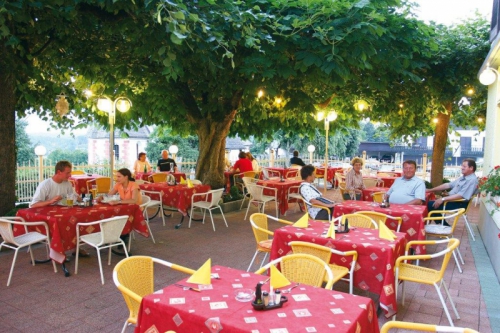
(164, 162)
(54, 189)
(409, 189)
(296, 159)
(354, 180)
(141, 165)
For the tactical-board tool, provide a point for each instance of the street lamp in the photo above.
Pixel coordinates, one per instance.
(40, 151)
(105, 104)
(173, 149)
(331, 116)
(311, 150)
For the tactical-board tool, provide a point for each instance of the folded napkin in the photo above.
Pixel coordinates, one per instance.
(278, 280)
(331, 231)
(183, 181)
(190, 184)
(202, 275)
(384, 232)
(303, 222)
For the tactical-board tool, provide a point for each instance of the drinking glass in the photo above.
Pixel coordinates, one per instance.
(69, 200)
(171, 167)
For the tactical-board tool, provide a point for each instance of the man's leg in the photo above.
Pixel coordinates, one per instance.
(323, 215)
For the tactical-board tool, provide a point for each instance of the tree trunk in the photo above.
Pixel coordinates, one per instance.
(8, 146)
(439, 146)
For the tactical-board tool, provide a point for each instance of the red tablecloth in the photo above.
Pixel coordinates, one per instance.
(81, 182)
(177, 196)
(388, 181)
(413, 217)
(397, 173)
(282, 191)
(215, 309)
(145, 175)
(330, 176)
(368, 192)
(376, 257)
(62, 223)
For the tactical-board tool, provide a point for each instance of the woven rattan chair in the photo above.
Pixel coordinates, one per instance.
(158, 177)
(77, 172)
(466, 219)
(106, 238)
(342, 189)
(442, 231)
(134, 277)
(378, 197)
(257, 196)
(210, 202)
(25, 240)
(259, 223)
(103, 185)
(309, 205)
(358, 221)
(370, 182)
(302, 268)
(413, 273)
(325, 253)
(423, 327)
(381, 217)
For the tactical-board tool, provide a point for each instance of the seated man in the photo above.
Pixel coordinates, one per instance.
(311, 195)
(296, 159)
(409, 189)
(461, 188)
(54, 189)
(164, 163)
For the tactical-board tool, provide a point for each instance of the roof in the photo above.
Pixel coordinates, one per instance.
(236, 143)
(100, 133)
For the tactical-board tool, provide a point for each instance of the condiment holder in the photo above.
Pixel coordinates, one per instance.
(262, 307)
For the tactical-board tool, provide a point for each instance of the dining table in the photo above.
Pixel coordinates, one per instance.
(62, 222)
(330, 176)
(413, 217)
(145, 175)
(388, 181)
(368, 193)
(374, 271)
(176, 196)
(214, 308)
(282, 187)
(80, 182)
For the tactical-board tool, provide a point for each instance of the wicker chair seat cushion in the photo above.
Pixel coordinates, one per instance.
(338, 272)
(437, 229)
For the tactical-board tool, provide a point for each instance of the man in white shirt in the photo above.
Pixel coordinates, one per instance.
(54, 189)
(409, 189)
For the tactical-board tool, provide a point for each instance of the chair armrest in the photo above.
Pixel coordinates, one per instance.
(352, 253)
(412, 257)
(270, 189)
(199, 195)
(129, 293)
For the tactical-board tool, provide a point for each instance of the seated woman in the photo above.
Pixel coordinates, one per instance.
(354, 180)
(311, 194)
(127, 189)
(141, 165)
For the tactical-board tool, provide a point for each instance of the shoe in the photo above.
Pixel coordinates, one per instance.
(446, 224)
(82, 254)
(118, 253)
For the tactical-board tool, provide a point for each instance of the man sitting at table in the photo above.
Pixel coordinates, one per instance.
(243, 164)
(409, 189)
(461, 188)
(52, 190)
(296, 159)
(312, 196)
(164, 163)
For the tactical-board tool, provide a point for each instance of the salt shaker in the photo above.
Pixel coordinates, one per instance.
(265, 298)
(277, 297)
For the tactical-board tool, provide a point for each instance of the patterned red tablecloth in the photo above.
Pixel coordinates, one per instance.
(368, 192)
(330, 177)
(177, 196)
(145, 175)
(215, 309)
(388, 181)
(413, 217)
(62, 223)
(282, 191)
(376, 257)
(81, 182)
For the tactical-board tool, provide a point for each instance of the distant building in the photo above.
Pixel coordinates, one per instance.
(234, 146)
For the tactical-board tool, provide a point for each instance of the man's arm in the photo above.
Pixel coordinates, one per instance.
(442, 187)
(414, 202)
(46, 202)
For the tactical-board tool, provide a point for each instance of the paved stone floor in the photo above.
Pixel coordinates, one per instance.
(39, 300)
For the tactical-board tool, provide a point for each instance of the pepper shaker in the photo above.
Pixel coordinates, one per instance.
(265, 298)
(277, 297)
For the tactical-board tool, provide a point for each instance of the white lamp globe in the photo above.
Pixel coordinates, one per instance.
(40, 150)
(311, 148)
(487, 77)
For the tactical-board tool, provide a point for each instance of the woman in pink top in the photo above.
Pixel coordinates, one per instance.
(127, 189)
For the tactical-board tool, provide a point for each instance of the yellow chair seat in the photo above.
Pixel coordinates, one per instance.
(338, 272)
(419, 274)
(265, 245)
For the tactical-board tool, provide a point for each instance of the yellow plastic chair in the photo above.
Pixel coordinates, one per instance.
(309, 206)
(358, 221)
(423, 327)
(158, 178)
(377, 217)
(78, 172)
(413, 273)
(262, 234)
(442, 231)
(467, 223)
(378, 197)
(325, 253)
(302, 268)
(134, 277)
(103, 185)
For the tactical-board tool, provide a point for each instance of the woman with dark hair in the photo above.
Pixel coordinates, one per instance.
(127, 189)
(141, 165)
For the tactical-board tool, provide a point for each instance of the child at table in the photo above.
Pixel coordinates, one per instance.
(126, 187)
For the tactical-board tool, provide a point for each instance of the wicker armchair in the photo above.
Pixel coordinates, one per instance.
(358, 221)
(381, 217)
(423, 327)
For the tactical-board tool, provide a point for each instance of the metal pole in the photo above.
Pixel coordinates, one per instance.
(40, 168)
(326, 155)
(111, 143)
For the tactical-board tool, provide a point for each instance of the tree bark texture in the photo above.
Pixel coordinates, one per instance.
(7, 128)
(439, 146)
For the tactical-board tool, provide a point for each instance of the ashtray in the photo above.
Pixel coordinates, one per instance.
(262, 307)
(385, 205)
(343, 231)
(244, 294)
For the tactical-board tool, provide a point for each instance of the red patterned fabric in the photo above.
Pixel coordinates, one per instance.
(62, 223)
(368, 192)
(215, 309)
(145, 175)
(177, 196)
(413, 217)
(81, 182)
(376, 257)
(330, 177)
(282, 191)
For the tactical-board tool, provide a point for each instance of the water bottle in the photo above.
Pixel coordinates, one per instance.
(191, 173)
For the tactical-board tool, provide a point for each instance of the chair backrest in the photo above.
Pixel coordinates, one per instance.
(256, 191)
(77, 172)
(342, 189)
(216, 195)
(381, 217)
(112, 228)
(292, 173)
(196, 182)
(296, 166)
(159, 177)
(269, 173)
(103, 184)
(423, 327)
(303, 268)
(378, 197)
(370, 182)
(319, 251)
(249, 180)
(359, 221)
(6, 231)
(145, 201)
(259, 223)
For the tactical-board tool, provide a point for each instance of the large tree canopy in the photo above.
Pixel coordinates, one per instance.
(197, 65)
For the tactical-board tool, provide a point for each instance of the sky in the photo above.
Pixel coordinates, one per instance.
(440, 11)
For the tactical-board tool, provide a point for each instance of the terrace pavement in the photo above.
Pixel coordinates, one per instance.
(39, 300)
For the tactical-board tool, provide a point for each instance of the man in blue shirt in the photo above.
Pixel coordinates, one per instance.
(409, 189)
